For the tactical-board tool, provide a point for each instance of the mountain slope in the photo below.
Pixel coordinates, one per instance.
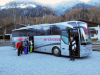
(94, 2)
(38, 11)
(79, 5)
(60, 8)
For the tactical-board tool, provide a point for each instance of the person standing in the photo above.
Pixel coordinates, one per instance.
(18, 46)
(22, 47)
(72, 48)
(26, 44)
(31, 46)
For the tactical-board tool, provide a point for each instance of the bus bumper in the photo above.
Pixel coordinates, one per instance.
(84, 54)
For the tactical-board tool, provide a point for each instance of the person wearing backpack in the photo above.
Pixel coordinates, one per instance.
(27, 45)
(22, 46)
(31, 46)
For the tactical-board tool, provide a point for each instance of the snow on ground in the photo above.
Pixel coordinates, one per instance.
(46, 64)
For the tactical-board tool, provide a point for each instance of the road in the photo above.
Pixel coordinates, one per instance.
(46, 64)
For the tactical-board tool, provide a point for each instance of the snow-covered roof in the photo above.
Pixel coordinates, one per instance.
(47, 24)
(23, 28)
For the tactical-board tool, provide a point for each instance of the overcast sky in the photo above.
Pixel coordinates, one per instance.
(41, 1)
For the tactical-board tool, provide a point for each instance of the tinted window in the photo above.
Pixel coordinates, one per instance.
(64, 28)
(38, 31)
(23, 33)
(31, 32)
(20, 34)
(45, 30)
(34, 31)
(73, 24)
(55, 30)
(64, 37)
(74, 32)
(82, 24)
(15, 34)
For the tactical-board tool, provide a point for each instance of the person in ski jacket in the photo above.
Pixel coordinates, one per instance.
(18, 46)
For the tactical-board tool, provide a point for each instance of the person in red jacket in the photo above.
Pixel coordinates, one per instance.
(18, 46)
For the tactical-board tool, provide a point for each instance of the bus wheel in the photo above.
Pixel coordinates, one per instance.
(56, 51)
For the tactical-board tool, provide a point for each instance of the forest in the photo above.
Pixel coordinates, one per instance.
(42, 15)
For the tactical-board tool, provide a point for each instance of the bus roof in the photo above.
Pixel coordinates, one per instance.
(74, 21)
(47, 24)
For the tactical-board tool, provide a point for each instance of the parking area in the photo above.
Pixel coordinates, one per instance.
(46, 64)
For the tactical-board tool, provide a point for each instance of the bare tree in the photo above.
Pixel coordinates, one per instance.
(14, 5)
(3, 26)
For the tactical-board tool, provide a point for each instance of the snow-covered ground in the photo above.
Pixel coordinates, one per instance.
(46, 64)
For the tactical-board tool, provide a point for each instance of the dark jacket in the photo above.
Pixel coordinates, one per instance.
(72, 45)
(25, 43)
(22, 44)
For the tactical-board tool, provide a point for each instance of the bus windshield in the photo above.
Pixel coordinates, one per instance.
(85, 34)
(85, 37)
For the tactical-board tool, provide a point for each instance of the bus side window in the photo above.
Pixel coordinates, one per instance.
(24, 32)
(45, 30)
(34, 32)
(64, 37)
(38, 31)
(42, 31)
(15, 34)
(55, 30)
(73, 24)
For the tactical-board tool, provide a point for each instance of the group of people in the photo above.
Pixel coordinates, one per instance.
(22, 45)
(29, 45)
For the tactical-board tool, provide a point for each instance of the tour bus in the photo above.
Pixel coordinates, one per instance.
(54, 38)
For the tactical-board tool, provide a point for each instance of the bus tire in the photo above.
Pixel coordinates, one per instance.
(56, 51)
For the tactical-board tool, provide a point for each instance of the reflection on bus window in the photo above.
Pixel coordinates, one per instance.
(73, 24)
(84, 37)
(38, 31)
(64, 37)
(82, 24)
(15, 34)
(55, 30)
(45, 30)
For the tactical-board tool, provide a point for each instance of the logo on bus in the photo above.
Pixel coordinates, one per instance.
(88, 47)
(51, 39)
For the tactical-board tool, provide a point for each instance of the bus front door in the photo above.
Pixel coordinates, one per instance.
(75, 33)
(64, 43)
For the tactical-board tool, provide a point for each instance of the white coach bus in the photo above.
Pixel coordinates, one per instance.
(54, 38)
